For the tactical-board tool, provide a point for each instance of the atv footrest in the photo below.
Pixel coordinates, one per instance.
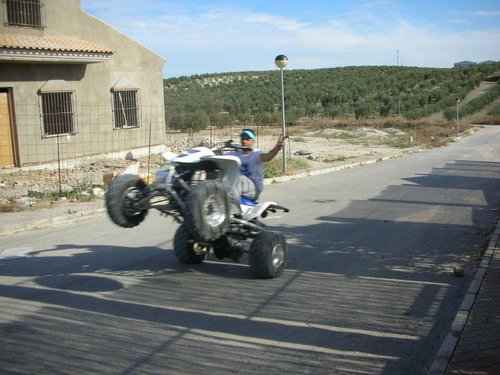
(274, 207)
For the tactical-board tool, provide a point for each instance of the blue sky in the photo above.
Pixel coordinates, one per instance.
(218, 36)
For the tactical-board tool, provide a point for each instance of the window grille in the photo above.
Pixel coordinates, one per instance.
(24, 12)
(126, 108)
(58, 113)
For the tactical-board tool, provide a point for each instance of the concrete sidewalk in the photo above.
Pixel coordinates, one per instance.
(58, 213)
(471, 347)
(473, 344)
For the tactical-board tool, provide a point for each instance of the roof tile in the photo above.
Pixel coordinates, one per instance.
(51, 44)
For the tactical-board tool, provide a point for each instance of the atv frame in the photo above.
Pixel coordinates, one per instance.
(197, 191)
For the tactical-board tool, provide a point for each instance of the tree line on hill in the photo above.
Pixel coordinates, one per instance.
(193, 103)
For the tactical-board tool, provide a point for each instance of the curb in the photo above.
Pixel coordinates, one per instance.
(316, 172)
(445, 353)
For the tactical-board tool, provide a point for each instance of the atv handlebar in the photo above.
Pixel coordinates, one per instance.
(231, 146)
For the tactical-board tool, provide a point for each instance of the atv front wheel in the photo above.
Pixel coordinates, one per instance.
(207, 213)
(186, 249)
(121, 197)
(268, 254)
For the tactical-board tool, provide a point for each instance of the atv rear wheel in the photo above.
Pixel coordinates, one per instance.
(207, 213)
(268, 254)
(120, 200)
(186, 249)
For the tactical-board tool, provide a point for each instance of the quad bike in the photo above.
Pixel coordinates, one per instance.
(198, 191)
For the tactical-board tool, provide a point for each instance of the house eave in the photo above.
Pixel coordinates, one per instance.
(56, 57)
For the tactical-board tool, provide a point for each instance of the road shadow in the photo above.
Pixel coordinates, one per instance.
(414, 234)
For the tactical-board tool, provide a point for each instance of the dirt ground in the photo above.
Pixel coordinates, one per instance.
(332, 147)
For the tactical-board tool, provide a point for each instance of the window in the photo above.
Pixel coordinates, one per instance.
(126, 108)
(58, 113)
(24, 12)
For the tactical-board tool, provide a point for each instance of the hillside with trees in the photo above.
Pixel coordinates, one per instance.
(193, 103)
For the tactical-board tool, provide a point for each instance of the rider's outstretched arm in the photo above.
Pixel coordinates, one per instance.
(266, 156)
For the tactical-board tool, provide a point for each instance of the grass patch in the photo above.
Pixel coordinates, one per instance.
(342, 136)
(495, 111)
(397, 142)
(336, 159)
(274, 168)
(9, 206)
(490, 120)
(82, 192)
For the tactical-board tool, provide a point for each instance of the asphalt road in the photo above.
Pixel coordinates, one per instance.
(369, 286)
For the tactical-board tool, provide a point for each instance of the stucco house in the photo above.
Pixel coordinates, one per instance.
(71, 86)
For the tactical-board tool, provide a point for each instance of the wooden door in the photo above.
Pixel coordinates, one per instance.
(6, 145)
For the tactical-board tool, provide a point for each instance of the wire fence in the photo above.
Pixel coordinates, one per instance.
(213, 135)
(78, 165)
(92, 132)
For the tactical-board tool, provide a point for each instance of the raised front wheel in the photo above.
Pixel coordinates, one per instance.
(121, 197)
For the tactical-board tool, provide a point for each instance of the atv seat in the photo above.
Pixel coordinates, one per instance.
(247, 201)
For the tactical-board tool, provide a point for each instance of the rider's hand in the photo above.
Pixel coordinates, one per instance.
(281, 142)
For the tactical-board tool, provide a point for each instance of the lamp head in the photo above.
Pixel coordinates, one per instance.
(281, 61)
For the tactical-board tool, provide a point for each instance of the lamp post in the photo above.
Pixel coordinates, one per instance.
(281, 61)
(458, 101)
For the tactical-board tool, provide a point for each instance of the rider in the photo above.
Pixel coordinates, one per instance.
(252, 164)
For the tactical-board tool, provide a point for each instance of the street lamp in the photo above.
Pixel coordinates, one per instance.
(458, 101)
(281, 61)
